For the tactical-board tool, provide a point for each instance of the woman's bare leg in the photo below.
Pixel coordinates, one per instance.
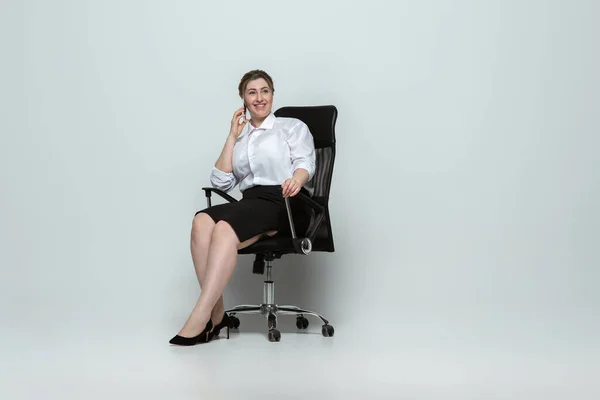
(221, 261)
(202, 230)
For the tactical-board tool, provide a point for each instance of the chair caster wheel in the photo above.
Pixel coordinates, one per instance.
(274, 335)
(234, 323)
(301, 322)
(271, 322)
(327, 330)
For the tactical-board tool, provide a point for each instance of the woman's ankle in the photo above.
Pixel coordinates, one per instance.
(217, 315)
(193, 327)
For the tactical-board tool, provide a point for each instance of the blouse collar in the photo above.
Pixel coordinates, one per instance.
(268, 123)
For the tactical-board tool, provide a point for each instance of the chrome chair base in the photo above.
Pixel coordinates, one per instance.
(271, 311)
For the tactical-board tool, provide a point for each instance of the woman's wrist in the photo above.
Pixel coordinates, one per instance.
(301, 176)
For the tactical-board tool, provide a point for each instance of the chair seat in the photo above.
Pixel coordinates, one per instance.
(277, 244)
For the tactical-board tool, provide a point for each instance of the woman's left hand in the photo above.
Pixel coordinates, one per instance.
(291, 187)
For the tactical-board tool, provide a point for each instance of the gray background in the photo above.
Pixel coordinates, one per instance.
(465, 194)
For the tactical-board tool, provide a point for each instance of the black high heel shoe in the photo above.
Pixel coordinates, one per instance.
(204, 337)
(223, 324)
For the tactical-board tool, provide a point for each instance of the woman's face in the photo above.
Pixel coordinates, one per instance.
(258, 98)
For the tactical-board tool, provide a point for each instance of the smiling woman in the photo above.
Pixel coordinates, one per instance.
(270, 158)
(256, 89)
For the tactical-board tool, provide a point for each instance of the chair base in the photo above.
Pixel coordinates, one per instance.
(271, 311)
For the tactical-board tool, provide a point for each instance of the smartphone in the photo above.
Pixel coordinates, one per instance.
(245, 111)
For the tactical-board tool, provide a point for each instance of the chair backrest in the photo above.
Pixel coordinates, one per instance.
(321, 122)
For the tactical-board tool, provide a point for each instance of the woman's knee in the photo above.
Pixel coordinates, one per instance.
(224, 232)
(202, 224)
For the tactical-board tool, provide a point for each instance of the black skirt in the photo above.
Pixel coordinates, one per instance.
(261, 209)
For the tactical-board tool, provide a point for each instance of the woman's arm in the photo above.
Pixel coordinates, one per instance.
(222, 176)
(301, 175)
(224, 162)
(302, 151)
(292, 186)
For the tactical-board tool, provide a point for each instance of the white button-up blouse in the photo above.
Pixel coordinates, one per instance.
(268, 155)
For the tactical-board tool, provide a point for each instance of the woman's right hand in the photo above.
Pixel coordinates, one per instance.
(236, 127)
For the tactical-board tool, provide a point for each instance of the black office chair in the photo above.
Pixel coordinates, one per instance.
(321, 121)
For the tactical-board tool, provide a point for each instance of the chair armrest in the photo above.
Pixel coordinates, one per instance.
(309, 200)
(312, 232)
(319, 215)
(209, 190)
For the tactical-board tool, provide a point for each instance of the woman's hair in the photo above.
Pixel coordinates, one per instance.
(252, 75)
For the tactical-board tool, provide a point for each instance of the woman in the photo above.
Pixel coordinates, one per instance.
(270, 158)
